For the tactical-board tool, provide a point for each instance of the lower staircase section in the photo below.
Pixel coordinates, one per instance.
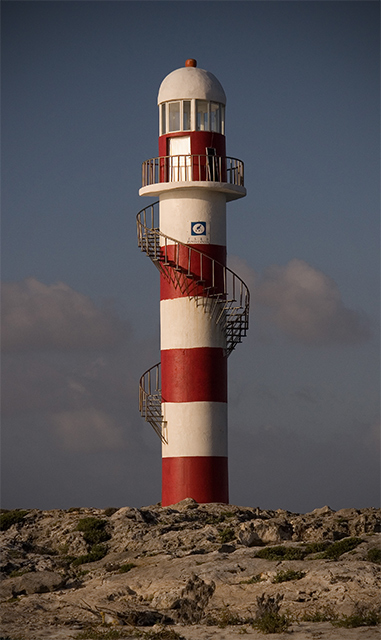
(150, 400)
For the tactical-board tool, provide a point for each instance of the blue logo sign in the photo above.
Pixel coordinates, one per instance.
(198, 228)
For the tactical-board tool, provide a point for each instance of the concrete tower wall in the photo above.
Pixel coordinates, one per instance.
(200, 320)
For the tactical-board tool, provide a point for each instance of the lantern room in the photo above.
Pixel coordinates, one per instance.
(191, 113)
(192, 146)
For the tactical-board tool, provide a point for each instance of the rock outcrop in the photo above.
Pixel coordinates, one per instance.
(187, 564)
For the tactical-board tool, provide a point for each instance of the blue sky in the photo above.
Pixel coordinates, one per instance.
(81, 303)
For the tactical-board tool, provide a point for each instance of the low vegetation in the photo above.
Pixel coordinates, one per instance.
(18, 572)
(97, 633)
(8, 518)
(374, 555)
(218, 519)
(253, 580)
(320, 615)
(336, 549)
(101, 634)
(94, 534)
(93, 530)
(362, 616)
(97, 552)
(315, 547)
(326, 550)
(224, 618)
(161, 634)
(124, 568)
(226, 535)
(287, 576)
(281, 553)
(268, 619)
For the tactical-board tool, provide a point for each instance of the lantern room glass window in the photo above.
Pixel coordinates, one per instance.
(222, 119)
(191, 115)
(202, 115)
(215, 117)
(174, 116)
(163, 119)
(186, 115)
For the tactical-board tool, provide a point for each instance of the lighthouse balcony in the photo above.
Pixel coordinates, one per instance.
(203, 171)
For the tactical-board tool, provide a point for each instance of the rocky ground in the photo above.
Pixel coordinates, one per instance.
(190, 571)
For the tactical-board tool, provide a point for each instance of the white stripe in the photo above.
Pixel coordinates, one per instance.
(177, 214)
(231, 191)
(195, 429)
(184, 325)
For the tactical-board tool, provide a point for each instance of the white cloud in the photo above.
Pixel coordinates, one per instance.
(304, 304)
(86, 430)
(39, 316)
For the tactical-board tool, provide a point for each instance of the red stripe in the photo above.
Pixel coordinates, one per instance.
(179, 262)
(205, 479)
(194, 375)
(200, 140)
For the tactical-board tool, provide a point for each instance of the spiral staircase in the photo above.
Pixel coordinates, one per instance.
(212, 285)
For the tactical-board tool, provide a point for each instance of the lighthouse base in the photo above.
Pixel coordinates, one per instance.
(203, 478)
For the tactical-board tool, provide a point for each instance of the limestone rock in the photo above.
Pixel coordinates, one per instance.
(272, 531)
(187, 563)
(39, 582)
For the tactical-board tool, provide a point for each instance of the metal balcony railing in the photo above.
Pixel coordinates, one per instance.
(189, 168)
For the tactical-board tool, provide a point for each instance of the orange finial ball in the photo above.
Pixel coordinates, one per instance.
(191, 62)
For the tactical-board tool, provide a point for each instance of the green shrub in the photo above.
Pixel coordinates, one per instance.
(292, 553)
(224, 617)
(287, 576)
(110, 511)
(161, 634)
(18, 572)
(361, 617)
(8, 518)
(336, 549)
(272, 623)
(281, 553)
(228, 618)
(315, 547)
(374, 555)
(101, 634)
(226, 535)
(126, 567)
(268, 619)
(253, 580)
(97, 552)
(93, 530)
(214, 519)
(323, 615)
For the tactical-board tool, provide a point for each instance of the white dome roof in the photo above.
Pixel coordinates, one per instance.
(190, 82)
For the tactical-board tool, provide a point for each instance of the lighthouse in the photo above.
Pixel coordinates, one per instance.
(204, 306)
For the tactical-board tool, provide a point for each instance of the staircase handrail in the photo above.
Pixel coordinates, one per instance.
(150, 399)
(153, 249)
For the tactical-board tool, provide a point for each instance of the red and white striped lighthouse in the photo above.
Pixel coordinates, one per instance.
(204, 306)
